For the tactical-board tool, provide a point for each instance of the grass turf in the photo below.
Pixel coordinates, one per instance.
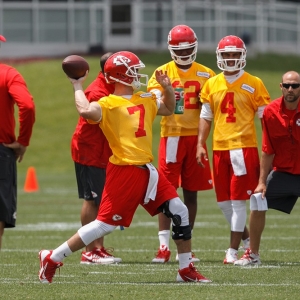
(48, 217)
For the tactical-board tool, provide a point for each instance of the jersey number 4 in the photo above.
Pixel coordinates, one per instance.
(141, 127)
(227, 107)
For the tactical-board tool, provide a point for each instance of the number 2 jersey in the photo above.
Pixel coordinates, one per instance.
(127, 125)
(233, 107)
(192, 80)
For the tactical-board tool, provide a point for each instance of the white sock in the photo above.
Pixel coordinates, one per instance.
(246, 243)
(164, 238)
(61, 252)
(184, 260)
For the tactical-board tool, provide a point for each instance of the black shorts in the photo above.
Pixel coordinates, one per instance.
(90, 182)
(8, 187)
(283, 190)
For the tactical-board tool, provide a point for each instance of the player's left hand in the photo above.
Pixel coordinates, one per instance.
(162, 78)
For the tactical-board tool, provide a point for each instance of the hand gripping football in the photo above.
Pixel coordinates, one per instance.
(75, 66)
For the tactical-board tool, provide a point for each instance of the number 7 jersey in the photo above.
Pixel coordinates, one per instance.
(233, 107)
(127, 125)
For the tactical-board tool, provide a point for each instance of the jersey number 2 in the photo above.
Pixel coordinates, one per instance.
(139, 109)
(227, 107)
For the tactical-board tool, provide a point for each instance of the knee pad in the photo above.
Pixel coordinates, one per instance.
(176, 210)
(239, 215)
(94, 230)
(165, 209)
(226, 209)
(181, 232)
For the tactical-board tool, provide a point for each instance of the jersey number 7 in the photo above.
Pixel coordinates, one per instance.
(139, 109)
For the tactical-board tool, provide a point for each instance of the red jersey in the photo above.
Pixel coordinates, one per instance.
(89, 145)
(281, 137)
(13, 90)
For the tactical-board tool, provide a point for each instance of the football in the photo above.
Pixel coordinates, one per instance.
(75, 66)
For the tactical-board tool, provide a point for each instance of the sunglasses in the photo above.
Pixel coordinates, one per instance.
(293, 85)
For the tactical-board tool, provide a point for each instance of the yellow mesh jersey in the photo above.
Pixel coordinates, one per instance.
(234, 107)
(192, 81)
(127, 125)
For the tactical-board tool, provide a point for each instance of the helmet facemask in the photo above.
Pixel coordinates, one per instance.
(133, 72)
(187, 59)
(239, 64)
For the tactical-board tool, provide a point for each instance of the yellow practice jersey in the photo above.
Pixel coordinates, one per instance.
(234, 107)
(192, 80)
(127, 125)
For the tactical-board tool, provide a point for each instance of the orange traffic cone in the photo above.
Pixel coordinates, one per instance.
(31, 184)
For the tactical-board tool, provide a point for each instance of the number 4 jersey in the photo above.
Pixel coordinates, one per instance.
(233, 107)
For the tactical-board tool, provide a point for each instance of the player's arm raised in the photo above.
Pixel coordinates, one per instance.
(86, 109)
(167, 100)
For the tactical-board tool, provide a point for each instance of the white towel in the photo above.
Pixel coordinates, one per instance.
(171, 151)
(152, 184)
(238, 162)
(262, 204)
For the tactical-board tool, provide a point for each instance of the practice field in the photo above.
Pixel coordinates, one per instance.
(48, 217)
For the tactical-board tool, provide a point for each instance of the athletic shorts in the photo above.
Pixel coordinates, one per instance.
(283, 190)
(185, 172)
(228, 186)
(8, 187)
(90, 182)
(125, 189)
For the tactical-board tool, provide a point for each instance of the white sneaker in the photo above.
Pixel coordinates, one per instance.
(231, 256)
(246, 244)
(194, 258)
(248, 259)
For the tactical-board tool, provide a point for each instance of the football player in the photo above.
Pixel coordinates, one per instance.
(126, 119)
(179, 131)
(231, 100)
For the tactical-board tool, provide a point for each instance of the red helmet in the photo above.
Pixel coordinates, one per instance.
(231, 43)
(182, 37)
(123, 67)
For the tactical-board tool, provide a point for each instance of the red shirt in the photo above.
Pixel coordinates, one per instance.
(89, 145)
(13, 90)
(281, 136)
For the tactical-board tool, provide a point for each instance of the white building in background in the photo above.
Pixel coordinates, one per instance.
(59, 27)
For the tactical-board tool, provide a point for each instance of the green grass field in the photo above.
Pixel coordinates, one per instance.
(48, 217)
